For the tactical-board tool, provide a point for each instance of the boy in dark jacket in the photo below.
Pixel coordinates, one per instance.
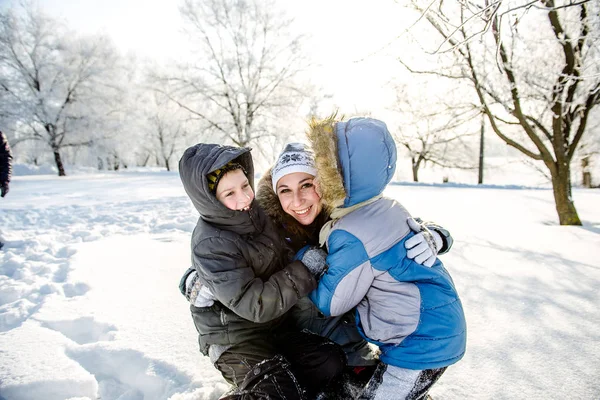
(242, 285)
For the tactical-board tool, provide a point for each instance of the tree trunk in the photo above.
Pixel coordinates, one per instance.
(415, 169)
(481, 143)
(585, 170)
(58, 160)
(561, 185)
(167, 164)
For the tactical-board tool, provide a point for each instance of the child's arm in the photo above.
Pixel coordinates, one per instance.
(233, 282)
(348, 278)
(430, 241)
(443, 239)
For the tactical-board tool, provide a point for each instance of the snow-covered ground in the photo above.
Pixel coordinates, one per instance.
(90, 309)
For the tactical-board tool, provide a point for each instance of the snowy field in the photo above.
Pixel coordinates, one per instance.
(90, 309)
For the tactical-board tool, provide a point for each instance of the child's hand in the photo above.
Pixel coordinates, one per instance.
(424, 246)
(196, 293)
(314, 258)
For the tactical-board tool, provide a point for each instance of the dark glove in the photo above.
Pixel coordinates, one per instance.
(3, 189)
(314, 258)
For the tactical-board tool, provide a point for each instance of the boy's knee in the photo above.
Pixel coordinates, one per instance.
(271, 378)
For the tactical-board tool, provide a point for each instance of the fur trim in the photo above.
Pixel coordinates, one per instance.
(323, 140)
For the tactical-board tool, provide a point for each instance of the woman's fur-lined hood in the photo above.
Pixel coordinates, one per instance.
(355, 159)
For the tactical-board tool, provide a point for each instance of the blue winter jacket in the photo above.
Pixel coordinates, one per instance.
(410, 311)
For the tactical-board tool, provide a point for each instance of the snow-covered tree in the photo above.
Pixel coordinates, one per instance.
(435, 130)
(243, 73)
(534, 67)
(58, 88)
(167, 129)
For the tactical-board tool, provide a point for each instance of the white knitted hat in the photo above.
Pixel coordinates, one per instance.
(295, 157)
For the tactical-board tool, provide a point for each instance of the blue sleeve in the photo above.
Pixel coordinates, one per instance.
(339, 290)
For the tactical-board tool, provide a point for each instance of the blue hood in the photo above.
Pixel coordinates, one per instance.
(367, 156)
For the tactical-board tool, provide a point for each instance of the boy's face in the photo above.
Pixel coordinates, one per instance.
(298, 197)
(234, 191)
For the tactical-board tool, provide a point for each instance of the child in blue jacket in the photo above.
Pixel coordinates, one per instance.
(412, 312)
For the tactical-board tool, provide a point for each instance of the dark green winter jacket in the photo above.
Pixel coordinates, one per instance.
(239, 256)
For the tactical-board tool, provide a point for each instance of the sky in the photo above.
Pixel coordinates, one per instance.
(344, 39)
(90, 306)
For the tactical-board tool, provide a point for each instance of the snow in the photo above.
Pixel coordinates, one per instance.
(90, 306)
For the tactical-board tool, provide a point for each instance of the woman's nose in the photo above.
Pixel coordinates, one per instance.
(297, 199)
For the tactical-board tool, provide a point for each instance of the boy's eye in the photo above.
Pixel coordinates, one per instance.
(228, 194)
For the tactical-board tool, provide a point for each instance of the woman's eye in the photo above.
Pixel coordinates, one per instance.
(283, 191)
(228, 194)
(307, 186)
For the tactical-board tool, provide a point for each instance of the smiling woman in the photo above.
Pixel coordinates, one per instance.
(293, 177)
(291, 195)
(298, 196)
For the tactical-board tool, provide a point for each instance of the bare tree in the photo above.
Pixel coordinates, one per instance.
(534, 67)
(432, 130)
(245, 69)
(167, 129)
(57, 87)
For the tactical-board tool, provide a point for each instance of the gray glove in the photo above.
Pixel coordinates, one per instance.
(196, 293)
(314, 258)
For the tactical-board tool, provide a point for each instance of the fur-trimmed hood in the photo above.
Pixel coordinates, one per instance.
(355, 159)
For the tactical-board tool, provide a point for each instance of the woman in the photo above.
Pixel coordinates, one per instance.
(289, 194)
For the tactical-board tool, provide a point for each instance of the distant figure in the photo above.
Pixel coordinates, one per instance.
(5, 164)
(5, 168)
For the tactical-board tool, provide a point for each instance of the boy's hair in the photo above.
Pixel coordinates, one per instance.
(215, 176)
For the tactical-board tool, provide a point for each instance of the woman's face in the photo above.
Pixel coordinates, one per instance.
(298, 197)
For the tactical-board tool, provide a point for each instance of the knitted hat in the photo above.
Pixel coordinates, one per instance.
(295, 157)
(215, 176)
